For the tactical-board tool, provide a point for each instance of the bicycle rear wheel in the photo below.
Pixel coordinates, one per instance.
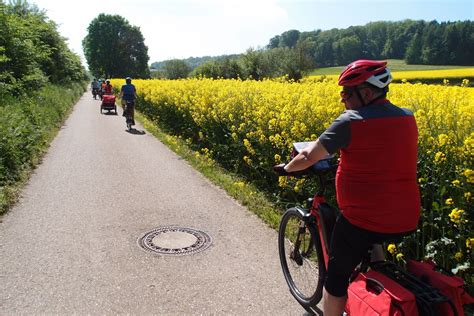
(301, 258)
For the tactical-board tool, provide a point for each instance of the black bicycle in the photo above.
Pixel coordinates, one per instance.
(128, 113)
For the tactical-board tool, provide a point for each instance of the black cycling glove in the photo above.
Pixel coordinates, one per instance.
(279, 169)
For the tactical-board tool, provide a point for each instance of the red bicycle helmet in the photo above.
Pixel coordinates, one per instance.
(372, 71)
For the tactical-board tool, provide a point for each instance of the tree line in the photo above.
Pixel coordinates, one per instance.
(292, 53)
(32, 52)
(417, 42)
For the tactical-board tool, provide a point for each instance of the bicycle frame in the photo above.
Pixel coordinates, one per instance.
(317, 201)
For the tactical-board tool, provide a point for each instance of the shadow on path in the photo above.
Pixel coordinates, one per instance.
(109, 113)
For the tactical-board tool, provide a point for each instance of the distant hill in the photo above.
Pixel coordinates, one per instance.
(193, 62)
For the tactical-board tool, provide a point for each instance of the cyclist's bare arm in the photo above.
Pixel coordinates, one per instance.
(307, 157)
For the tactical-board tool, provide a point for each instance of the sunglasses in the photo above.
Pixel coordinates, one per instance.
(347, 92)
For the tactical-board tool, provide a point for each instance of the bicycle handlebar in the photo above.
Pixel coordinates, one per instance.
(321, 167)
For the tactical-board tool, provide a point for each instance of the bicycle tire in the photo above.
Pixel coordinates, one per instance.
(310, 265)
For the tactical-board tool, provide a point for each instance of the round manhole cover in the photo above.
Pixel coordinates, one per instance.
(175, 240)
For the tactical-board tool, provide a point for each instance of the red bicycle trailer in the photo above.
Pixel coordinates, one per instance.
(108, 103)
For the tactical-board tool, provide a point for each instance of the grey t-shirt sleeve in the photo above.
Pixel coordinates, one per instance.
(338, 135)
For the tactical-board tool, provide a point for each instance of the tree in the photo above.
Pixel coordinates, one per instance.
(295, 61)
(209, 69)
(32, 53)
(289, 38)
(349, 48)
(176, 69)
(114, 48)
(432, 50)
(230, 68)
(274, 42)
(253, 64)
(413, 52)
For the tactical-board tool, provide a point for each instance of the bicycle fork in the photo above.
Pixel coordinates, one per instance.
(296, 254)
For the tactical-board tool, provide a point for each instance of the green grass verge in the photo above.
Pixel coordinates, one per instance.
(245, 193)
(27, 126)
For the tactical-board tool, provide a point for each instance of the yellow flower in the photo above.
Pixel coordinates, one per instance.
(440, 157)
(443, 139)
(467, 196)
(456, 215)
(399, 256)
(449, 201)
(456, 183)
(277, 158)
(421, 180)
(249, 147)
(458, 256)
(239, 184)
(282, 181)
(469, 243)
(392, 248)
(469, 174)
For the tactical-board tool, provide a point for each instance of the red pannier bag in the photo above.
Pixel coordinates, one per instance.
(372, 293)
(449, 285)
(109, 99)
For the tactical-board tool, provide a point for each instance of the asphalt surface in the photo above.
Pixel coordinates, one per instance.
(70, 245)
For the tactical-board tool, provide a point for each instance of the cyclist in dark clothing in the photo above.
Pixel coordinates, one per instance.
(128, 93)
(376, 183)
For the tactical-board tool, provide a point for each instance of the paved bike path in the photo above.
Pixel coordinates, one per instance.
(70, 245)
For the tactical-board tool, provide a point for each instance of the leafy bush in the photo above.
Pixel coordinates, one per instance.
(27, 125)
(32, 52)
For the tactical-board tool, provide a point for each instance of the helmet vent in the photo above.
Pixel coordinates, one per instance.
(373, 68)
(350, 77)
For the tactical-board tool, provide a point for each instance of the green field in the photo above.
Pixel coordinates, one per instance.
(393, 64)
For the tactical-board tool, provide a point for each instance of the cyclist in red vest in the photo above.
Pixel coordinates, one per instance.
(108, 88)
(376, 181)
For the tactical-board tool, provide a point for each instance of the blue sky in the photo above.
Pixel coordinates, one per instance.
(194, 28)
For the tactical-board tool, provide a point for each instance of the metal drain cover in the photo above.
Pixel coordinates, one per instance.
(175, 240)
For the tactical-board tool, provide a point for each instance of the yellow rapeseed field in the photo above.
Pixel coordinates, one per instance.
(248, 126)
(433, 74)
(418, 74)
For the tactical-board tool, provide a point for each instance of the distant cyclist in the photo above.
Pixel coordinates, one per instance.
(95, 87)
(108, 87)
(376, 183)
(102, 86)
(95, 84)
(128, 94)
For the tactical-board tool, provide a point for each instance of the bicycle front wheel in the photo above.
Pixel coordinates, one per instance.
(301, 258)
